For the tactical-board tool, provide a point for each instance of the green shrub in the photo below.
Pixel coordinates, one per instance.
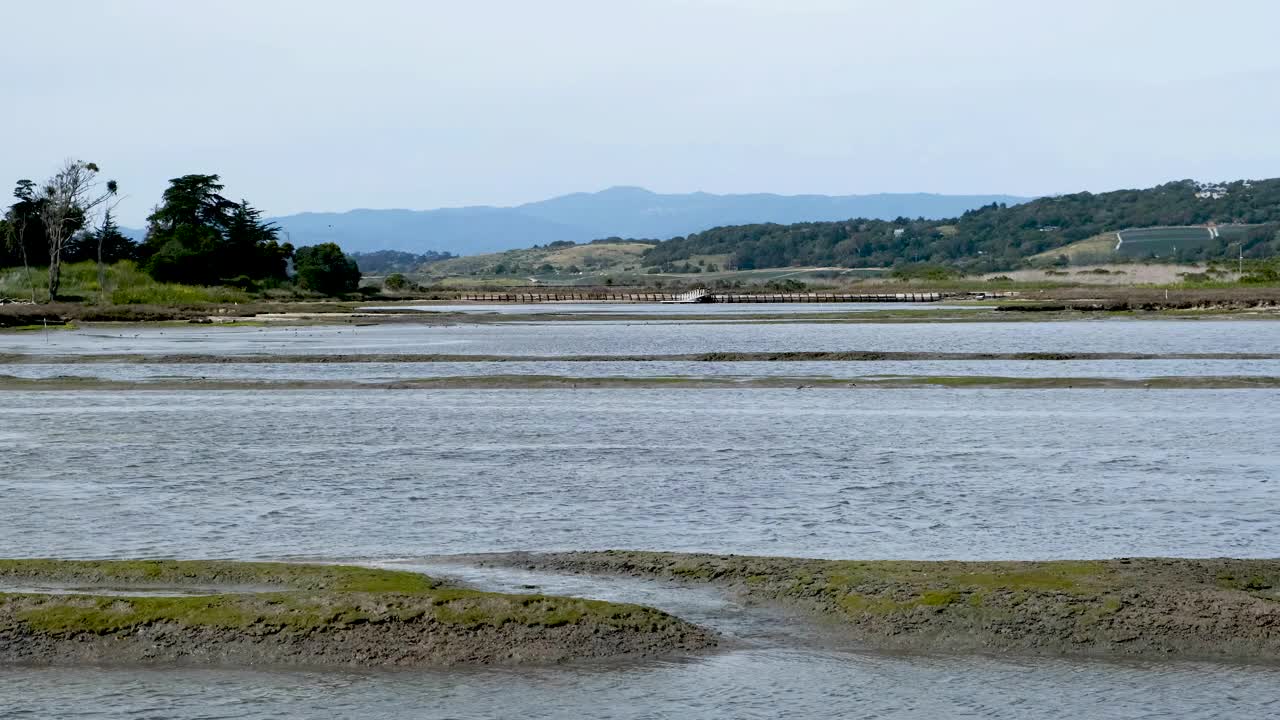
(243, 282)
(787, 285)
(175, 294)
(325, 269)
(925, 271)
(127, 284)
(1261, 272)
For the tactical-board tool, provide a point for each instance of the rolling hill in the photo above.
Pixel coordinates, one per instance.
(600, 263)
(559, 259)
(581, 217)
(1171, 222)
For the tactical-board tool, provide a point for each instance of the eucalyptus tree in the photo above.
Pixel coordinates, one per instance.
(23, 228)
(67, 201)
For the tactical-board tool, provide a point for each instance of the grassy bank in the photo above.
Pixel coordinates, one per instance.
(131, 295)
(61, 314)
(126, 284)
(134, 297)
(1152, 607)
(273, 613)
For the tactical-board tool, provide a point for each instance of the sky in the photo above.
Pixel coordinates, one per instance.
(335, 104)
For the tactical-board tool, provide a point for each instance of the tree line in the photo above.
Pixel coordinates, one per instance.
(194, 236)
(396, 261)
(996, 237)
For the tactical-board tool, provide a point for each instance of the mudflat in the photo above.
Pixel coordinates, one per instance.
(310, 615)
(1140, 607)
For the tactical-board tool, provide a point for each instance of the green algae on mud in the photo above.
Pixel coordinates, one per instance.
(1142, 607)
(309, 615)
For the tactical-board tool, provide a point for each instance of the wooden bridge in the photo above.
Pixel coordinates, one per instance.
(824, 297)
(701, 295)
(697, 296)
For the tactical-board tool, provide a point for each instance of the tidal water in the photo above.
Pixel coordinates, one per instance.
(400, 478)
(761, 684)
(374, 372)
(613, 337)
(871, 474)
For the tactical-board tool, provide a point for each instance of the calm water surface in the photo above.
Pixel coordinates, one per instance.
(664, 338)
(764, 684)
(384, 372)
(869, 474)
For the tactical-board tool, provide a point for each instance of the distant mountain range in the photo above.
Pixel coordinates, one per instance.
(619, 211)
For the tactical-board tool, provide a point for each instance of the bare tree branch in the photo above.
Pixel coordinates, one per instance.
(112, 190)
(18, 237)
(69, 198)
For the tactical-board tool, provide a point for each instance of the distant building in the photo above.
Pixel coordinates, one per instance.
(1211, 191)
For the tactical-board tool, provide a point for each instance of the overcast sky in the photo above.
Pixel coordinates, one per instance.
(337, 104)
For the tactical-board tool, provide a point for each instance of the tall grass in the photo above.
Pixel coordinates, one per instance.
(126, 285)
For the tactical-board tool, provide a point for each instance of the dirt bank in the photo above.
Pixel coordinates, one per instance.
(1148, 298)
(1145, 607)
(1029, 305)
(309, 615)
(62, 312)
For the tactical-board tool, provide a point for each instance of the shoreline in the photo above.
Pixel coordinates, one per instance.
(309, 615)
(1140, 608)
(1033, 305)
(246, 614)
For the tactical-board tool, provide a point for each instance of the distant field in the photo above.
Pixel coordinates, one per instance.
(1164, 242)
(1142, 243)
(1098, 248)
(585, 259)
(1106, 274)
(598, 256)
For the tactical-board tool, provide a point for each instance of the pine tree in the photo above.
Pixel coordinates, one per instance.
(113, 244)
(198, 236)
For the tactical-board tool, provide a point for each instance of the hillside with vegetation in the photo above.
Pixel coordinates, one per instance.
(581, 217)
(380, 262)
(1195, 222)
(563, 259)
